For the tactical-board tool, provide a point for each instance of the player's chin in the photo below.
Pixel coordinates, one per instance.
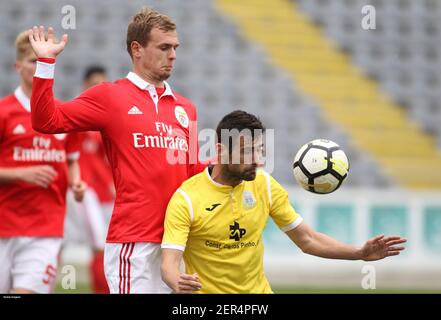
(28, 80)
(249, 175)
(166, 73)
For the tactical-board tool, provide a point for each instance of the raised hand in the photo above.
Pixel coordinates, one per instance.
(381, 247)
(44, 44)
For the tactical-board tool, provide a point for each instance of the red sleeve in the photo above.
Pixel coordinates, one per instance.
(2, 126)
(86, 112)
(198, 167)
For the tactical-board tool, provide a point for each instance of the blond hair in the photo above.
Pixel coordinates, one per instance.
(142, 24)
(22, 45)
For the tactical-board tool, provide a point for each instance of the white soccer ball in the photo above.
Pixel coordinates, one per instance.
(320, 166)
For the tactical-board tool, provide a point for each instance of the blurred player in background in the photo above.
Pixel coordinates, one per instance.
(215, 220)
(87, 222)
(149, 134)
(35, 171)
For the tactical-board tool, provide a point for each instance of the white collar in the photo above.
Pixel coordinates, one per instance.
(217, 184)
(210, 178)
(22, 98)
(144, 85)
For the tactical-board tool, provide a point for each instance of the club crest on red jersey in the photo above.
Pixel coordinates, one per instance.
(181, 116)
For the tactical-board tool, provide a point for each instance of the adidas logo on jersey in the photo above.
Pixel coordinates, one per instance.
(134, 110)
(19, 129)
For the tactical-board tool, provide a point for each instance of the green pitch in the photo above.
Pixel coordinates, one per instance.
(85, 288)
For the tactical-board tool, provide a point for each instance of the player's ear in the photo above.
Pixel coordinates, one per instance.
(17, 66)
(218, 148)
(136, 47)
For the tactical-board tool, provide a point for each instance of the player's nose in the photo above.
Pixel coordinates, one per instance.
(172, 54)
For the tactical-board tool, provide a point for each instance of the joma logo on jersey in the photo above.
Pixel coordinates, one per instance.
(213, 206)
(236, 232)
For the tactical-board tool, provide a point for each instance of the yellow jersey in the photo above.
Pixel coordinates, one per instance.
(219, 228)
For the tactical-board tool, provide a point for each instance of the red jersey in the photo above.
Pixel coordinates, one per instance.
(150, 141)
(95, 168)
(27, 209)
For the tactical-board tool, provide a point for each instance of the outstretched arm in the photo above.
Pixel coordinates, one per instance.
(321, 245)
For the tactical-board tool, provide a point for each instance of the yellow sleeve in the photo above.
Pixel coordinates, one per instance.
(281, 210)
(177, 221)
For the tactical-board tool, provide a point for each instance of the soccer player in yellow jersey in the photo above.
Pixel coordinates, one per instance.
(216, 219)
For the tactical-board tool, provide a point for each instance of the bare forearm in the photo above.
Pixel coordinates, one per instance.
(324, 246)
(74, 172)
(170, 275)
(321, 245)
(9, 175)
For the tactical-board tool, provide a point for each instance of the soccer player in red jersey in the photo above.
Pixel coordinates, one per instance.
(35, 170)
(149, 136)
(87, 221)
